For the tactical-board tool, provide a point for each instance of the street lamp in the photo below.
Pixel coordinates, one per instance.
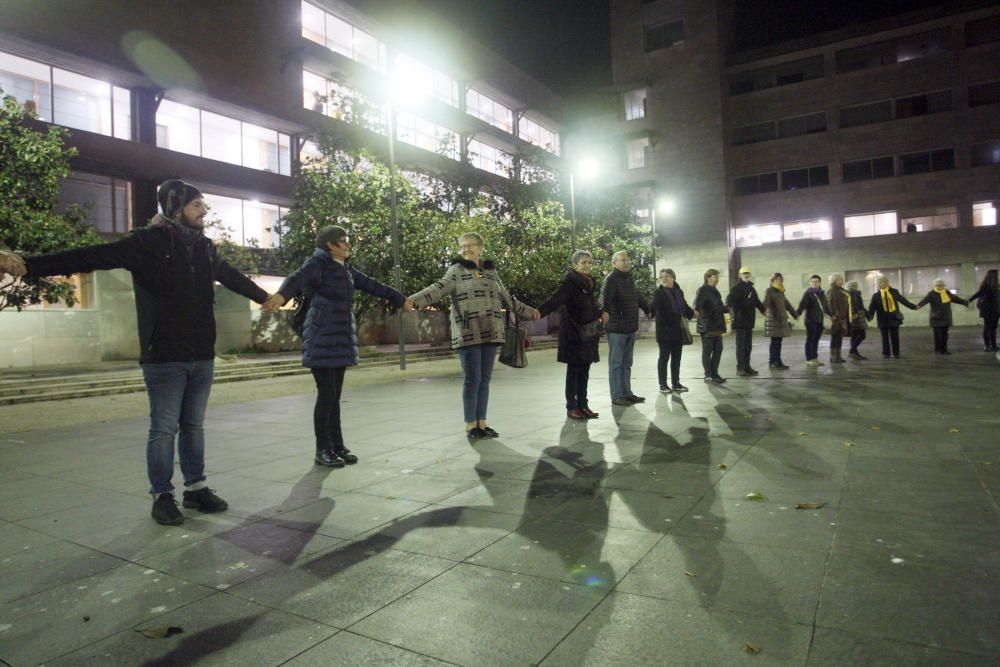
(588, 168)
(666, 206)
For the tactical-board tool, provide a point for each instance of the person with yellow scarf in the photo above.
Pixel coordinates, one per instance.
(884, 305)
(777, 308)
(940, 300)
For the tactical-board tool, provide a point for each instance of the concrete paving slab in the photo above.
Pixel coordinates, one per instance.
(347, 648)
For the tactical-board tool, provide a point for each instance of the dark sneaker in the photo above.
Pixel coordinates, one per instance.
(742, 373)
(576, 413)
(345, 455)
(475, 433)
(204, 500)
(490, 433)
(636, 399)
(621, 400)
(679, 388)
(328, 458)
(589, 414)
(664, 389)
(718, 379)
(165, 510)
(753, 371)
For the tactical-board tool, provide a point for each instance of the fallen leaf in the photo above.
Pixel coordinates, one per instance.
(876, 428)
(803, 433)
(722, 466)
(390, 497)
(161, 631)
(751, 648)
(86, 619)
(953, 430)
(848, 443)
(755, 495)
(808, 506)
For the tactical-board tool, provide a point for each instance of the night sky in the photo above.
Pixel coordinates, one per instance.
(566, 44)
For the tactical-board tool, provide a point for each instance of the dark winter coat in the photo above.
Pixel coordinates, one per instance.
(859, 318)
(576, 299)
(174, 287)
(989, 302)
(330, 337)
(744, 303)
(669, 307)
(711, 311)
(622, 301)
(884, 319)
(940, 315)
(777, 308)
(814, 306)
(840, 310)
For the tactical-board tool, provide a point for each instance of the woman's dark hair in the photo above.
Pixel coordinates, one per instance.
(331, 234)
(990, 282)
(669, 272)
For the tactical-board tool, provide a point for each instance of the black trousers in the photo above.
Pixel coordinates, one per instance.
(836, 341)
(990, 331)
(857, 337)
(814, 332)
(577, 377)
(711, 353)
(940, 339)
(890, 341)
(774, 352)
(326, 414)
(744, 343)
(669, 352)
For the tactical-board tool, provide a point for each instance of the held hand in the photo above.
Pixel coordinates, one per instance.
(408, 305)
(274, 302)
(12, 264)
(604, 318)
(536, 314)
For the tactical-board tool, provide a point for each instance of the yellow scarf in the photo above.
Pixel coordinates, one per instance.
(888, 303)
(780, 288)
(943, 293)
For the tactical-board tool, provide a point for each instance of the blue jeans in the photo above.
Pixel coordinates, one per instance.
(178, 396)
(620, 346)
(477, 364)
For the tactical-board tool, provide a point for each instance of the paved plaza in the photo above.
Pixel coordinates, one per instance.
(662, 534)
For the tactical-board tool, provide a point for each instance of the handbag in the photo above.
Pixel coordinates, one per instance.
(514, 338)
(686, 337)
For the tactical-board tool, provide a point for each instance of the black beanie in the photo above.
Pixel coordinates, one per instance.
(174, 195)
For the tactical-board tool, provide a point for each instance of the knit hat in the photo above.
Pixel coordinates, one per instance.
(174, 195)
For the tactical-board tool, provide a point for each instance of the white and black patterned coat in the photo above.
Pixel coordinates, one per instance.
(477, 302)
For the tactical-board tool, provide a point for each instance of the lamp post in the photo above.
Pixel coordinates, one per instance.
(666, 206)
(390, 113)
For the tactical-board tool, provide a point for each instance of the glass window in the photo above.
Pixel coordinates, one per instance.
(982, 270)
(923, 45)
(314, 92)
(751, 185)
(433, 83)
(108, 200)
(426, 135)
(313, 23)
(339, 36)
(911, 47)
(984, 93)
(863, 57)
(921, 163)
(366, 49)
(178, 128)
(81, 102)
(260, 148)
(491, 159)
(793, 127)
(819, 230)
(122, 119)
(635, 104)
(663, 35)
(986, 154)
(756, 235)
(984, 214)
(920, 105)
(943, 217)
(225, 217)
(537, 135)
(870, 224)
(866, 114)
(637, 153)
(487, 109)
(982, 31)
(796, 179)
(868, 279)
(220, 138)
(919, 280)
(863, 170)
(751, 134)
(779, 75)
(260, 225)
(27, 81)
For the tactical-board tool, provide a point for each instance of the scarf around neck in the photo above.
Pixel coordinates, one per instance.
(780, 288)
(888, 303)
(943, 293)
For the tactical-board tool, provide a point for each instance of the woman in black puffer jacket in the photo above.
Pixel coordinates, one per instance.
(577, 300)
(670, 308)
(989, 308)
(710, 310)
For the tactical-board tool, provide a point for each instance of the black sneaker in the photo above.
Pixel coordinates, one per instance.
(664, 389)
(204, 500)
(165, 510)
(753, 371)
(678, 388)
(328, 458)
(621, 400)
(636, 399)
(345, 455)
(490, 433)
(718, 379)
(475, 433)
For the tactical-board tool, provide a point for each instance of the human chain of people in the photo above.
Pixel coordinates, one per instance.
(174, 267)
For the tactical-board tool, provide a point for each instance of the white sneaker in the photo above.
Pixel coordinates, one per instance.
(813, 363)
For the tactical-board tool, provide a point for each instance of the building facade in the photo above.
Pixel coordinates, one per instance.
(229, 96)
(871, 150)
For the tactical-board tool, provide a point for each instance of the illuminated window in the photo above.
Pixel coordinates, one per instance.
(243, 221)
(491, 159)
(27, 81)
(870, 224)
(486, 108)
(637, 153)
(634, 102)
(919, 280)
(982, 270)
(910, 47)
(817, 230)
(867, 280)
(533, 173)
(108, 200)
(756, 235)
(429, 81)
(537, 135)
(942, 217)
(187, 129)
(336, 100)
(340, 36)
(984, 214)
(424, 134)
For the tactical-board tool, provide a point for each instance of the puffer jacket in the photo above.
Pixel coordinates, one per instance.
(477, 302)
(622, 301)
(330, 336)
(777, 308)
(940, 315)
(744, 303)
(576, 296)
(840, 309)
(859, 318)
(711, 311)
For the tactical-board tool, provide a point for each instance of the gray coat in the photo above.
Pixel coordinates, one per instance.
(777, 308)
(477, 302)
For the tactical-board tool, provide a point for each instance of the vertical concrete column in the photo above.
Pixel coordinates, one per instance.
(145, 101)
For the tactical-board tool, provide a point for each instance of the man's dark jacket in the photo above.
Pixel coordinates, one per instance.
(174, 287)
(621, 301)
(743, 302)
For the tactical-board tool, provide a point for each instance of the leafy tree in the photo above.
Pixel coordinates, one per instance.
(32, 162)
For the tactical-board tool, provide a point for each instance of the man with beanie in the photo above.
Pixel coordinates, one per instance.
(621, 301)
(174, 268)
(743, 302)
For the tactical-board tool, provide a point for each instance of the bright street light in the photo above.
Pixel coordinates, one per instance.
(666, 206)
(587, 169)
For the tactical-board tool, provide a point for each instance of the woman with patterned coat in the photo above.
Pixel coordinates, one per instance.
(477, 324)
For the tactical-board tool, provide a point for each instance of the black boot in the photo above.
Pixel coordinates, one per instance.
(328, 457)
(345, 454)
